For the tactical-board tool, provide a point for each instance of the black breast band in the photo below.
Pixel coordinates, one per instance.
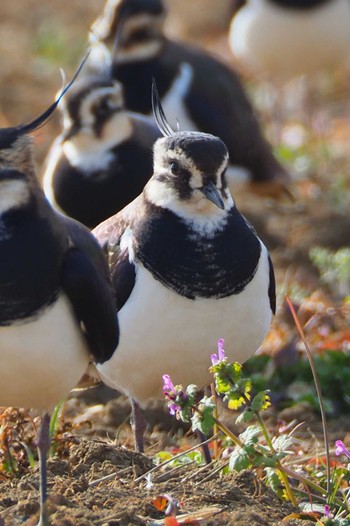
(193, 265)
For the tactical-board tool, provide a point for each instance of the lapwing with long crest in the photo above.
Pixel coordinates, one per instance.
(196, 89)
(57, 310)
(187, 269)
(285, 39)
(103, 157)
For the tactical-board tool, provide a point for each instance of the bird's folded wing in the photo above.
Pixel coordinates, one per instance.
(92, 299)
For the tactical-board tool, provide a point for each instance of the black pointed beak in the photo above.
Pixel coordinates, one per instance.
(212, 193)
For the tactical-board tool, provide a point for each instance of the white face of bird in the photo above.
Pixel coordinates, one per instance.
(90, 109)
(189, 178)
(140, 24)
(142, 38)
(95, 121)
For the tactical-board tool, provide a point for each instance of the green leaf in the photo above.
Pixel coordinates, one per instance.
(283, 443)
(162, 456)
(274, 481)
(266, 461)
(222, 385)
(250, 435)
(191, 393)
(245, 417)
(204, 421)
(239, 459)
(261, 401)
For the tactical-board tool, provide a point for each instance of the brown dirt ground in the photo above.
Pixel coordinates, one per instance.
(96, 445)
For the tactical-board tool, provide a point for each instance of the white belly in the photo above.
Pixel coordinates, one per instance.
(43, 359)
(162, 332)
(285, 43)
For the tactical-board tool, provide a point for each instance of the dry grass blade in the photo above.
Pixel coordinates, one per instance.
(175, 457)
(318, 390)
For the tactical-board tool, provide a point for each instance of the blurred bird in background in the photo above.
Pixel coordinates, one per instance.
(284, 39)
(196, 89)
(103, 158)
(294, 48)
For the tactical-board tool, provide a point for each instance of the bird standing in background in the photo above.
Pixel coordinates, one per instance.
(284, 39)
(187, 269)
(103, 158)
(57, 307)
(196, 89)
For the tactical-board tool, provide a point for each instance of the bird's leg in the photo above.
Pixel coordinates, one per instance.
(138, 424)
(43, 444)
(205, 447)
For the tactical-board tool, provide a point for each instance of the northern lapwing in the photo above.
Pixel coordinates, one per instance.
(103, 158)
(187, 269)
(57, 307)
(284, 39)
(196, 89)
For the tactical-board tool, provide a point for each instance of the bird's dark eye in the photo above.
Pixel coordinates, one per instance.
(175, 167)
(103, 108)
(143, 33)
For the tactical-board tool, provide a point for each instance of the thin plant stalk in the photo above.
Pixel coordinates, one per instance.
(279, 467)
(319, 393)
(284, 477)
(216, 416)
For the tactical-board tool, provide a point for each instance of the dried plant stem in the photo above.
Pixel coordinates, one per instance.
(216, 416)
(174, 458)
(319, 393)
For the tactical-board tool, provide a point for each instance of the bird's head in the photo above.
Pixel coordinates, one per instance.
(16, 147)
(94, 109)
(17, 167)
(140, 23)
(189, 171)
(189, 174)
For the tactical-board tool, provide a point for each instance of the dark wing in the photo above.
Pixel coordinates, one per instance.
(109, 235)
(223, 109)
(272, 281)
(123, 277)
(86, 282)
(272, 287)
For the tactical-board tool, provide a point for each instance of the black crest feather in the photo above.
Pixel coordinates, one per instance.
(41, 120)
(159, 114)
(9, 135)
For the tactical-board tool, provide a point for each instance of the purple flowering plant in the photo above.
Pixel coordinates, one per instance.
(254, 448)
(180, 402)
(340, 449)
(234, 388)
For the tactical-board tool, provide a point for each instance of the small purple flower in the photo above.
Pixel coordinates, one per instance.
(327, 512)
(168, 386)
(175, 395)
(216, 358)
(340, 449)
(173, 408)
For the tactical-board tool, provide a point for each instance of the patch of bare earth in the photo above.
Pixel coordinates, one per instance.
(101, 484)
